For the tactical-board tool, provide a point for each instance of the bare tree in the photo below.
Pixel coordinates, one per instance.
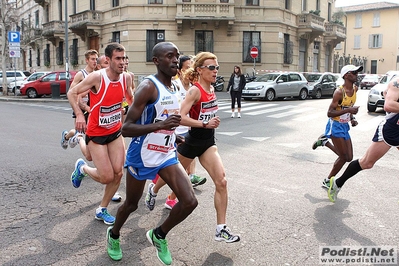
(8, 18)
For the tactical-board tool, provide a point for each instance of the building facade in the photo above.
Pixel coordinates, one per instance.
(290, 35)
(373, 32)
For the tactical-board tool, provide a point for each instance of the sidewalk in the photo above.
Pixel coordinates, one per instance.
(12, 98)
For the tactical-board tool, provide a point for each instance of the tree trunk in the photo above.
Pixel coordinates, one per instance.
(3, 27)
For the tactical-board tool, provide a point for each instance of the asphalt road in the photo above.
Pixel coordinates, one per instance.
(276, 203)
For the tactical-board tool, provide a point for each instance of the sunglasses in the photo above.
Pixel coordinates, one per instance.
(353, 72)
(211, 67)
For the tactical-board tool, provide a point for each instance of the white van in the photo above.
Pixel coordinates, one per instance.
(12, 75)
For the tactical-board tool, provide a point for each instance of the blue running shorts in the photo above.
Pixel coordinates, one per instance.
(144, 173)
(337, 129)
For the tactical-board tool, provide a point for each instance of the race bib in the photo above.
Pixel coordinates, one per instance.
(110, 116)
(345, 118)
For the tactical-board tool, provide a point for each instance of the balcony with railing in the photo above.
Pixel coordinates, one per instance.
(192, 10)
(53, 29)
(204, 12)
(29, 36)
(335, 32)
(310, 24)
(42, 2)
(83, 20)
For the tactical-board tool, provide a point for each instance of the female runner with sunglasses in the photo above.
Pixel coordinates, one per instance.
(201, 105)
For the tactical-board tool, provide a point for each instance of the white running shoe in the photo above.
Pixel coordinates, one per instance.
(64, 141)
(75, 140)
(117, 197)
(232, 115)
(226, 235)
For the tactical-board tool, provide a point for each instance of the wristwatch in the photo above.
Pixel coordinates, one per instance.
(205, 123)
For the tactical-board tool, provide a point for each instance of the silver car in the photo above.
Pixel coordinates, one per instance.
(277, 85)
(376, 94)
(320, 84)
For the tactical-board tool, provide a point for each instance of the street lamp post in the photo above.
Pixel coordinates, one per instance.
(66, 46)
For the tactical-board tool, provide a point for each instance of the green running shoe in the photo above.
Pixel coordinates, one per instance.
(163, 252)
(333, 190)
(197, 180)
(321, 141)
(113, 248)
(326, 183)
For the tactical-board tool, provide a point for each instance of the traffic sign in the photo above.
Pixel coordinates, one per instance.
(14, 36)
(14, 53)
(254, 52)
(14, 47)
(14, 44)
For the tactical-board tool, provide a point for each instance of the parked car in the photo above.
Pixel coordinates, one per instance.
(360, 77)
(277, 85)
(249, 78)
(376, 95)
(320, 84)
(42, 85)
(12, 75)
(338, 79)
(17, 85)
(368, 81)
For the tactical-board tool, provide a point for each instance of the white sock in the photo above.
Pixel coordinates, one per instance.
(99, 209)
(152, 192)
(81, 169)
(219, 227)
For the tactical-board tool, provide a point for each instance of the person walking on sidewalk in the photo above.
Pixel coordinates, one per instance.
(150, 123)
(107, 89)
(198, 111)
(236, 85)
(340, 112)
(385, 137)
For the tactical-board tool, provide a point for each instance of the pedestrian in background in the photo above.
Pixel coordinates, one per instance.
(236, 85)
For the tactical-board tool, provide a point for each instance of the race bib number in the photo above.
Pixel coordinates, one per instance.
(208, 110)
(345, 118)
(161, 142)
(110, 116)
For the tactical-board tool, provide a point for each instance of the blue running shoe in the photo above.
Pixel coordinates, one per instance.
(77, 175)
(105, 216)
(64, 141)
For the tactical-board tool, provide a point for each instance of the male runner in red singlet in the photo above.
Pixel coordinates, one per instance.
(107, 89)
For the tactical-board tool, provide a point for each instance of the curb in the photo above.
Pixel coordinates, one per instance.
(26, 99)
